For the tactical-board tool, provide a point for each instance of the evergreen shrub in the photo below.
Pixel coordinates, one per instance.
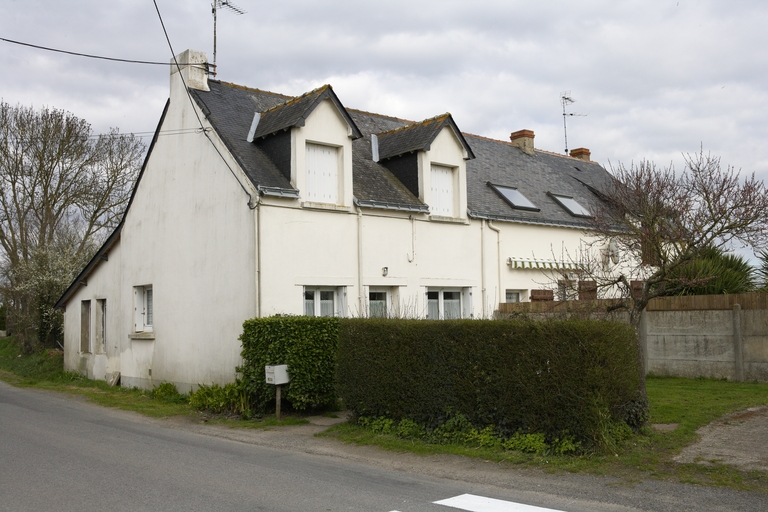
(569, 378)
(308, 345)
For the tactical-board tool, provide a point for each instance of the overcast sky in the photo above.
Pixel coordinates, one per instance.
(657, 78)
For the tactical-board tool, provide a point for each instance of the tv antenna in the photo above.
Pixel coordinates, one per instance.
(565, 100)
(215, 6)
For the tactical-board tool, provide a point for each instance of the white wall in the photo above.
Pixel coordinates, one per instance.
(102, 284)
(191, 235)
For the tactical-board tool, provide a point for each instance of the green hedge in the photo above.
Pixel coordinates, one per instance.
(575, 376)
(306, 344)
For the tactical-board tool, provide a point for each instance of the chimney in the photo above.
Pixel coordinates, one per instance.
(524, 140)
(194, 67)
(581, 154)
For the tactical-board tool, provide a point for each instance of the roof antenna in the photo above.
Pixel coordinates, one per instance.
(215, 6)
(565, 100)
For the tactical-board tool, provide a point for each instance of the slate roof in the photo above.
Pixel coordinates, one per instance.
(417, 137)
(296, 110)
(535, 176)
(230, 109)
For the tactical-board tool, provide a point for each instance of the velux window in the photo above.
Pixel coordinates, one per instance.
(514, 197)
(322, 174)
(571, 205)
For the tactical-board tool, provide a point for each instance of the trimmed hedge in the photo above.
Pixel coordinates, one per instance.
(574, 376)
(306, 344)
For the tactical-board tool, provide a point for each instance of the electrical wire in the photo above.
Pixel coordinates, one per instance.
(77, 54)
(143, 135)
(251, 205)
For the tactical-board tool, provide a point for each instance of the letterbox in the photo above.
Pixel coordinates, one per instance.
(277, 374)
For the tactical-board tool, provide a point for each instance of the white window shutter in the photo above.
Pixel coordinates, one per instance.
(442, 191)
(322, 174)
(138, 309)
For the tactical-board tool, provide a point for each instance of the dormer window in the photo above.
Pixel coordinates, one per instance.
(322, 185)
(443, 191)
(514, 197)
(571, 205)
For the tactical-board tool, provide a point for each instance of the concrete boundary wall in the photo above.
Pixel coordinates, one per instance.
(721, 344)
(713, 336)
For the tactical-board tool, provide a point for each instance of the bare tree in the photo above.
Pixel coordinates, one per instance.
(653, 221)
(62, 191)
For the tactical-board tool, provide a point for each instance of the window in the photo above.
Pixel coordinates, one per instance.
(514, 197)
(323, 301)
(377, 304)
(322, 174)
(143, 307)
(101, 325)
(447, 304)
(383, 302)
(513, 295)
(571, 205)
(85, 326)
(567, 290)
(442, 187)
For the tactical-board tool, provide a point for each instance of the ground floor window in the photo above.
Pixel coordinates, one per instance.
(514, 296)
(444, 304)
(567, 289)
(85, 326)
(101, 324)
(322, 301)
(383, 302)
(143, 308)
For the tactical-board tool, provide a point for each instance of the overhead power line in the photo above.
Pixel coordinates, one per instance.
(77, 54)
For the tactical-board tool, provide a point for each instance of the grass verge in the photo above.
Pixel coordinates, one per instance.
(691, 403)
(44, 370)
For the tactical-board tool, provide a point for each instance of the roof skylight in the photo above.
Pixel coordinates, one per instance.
(514, 197)
(571, 205)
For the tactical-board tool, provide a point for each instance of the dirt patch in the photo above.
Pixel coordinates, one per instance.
(739, 439)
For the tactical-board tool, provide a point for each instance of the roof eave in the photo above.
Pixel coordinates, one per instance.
(115, 236)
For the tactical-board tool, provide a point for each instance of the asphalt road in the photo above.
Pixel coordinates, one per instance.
(58, 453)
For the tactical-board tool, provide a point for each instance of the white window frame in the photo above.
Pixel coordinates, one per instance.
(388, 301)
(465, 302)
(322, 173)
(143, 308)
(443, 190)
(567, 289)
(339, 300)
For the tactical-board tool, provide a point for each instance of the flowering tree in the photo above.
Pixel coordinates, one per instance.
(62, 191)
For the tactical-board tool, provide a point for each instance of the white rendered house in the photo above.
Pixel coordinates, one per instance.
(252, 203)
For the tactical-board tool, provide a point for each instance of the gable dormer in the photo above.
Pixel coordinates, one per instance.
(429, 158)
(309, 139)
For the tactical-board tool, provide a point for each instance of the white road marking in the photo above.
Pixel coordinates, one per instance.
(474, 503)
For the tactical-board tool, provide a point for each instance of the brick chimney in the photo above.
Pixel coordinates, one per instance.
(581, 154)
(524, 140)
